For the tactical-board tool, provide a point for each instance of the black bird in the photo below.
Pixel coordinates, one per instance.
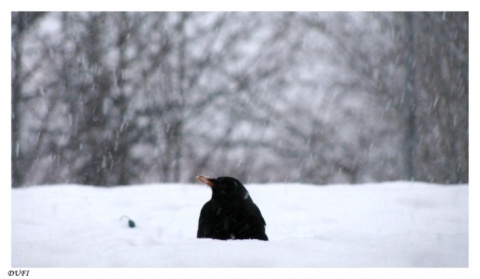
(231, 213)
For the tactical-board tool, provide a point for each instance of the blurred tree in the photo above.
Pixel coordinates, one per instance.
(362, 76)
(442, 88)
(123, 98)
(22, 22)
(409, 99)
(416, 67)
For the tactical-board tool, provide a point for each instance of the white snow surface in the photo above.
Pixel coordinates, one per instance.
(395, 224)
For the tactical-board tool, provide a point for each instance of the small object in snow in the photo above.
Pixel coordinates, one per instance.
(131, 224)
(231, 213)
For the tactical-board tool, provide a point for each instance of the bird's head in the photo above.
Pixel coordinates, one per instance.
(225, 189)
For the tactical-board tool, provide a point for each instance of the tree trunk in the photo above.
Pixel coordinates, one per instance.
(409, 100)
(17, 170)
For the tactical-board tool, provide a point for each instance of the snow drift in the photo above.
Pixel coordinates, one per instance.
(399, 224)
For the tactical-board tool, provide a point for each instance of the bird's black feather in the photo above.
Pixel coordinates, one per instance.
(231, 213)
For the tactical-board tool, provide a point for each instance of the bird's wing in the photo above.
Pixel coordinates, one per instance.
(255, 214)
(205, 220)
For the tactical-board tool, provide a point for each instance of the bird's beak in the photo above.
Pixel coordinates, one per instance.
(205, 180)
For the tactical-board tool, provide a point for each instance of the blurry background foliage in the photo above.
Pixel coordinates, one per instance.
(127, 98)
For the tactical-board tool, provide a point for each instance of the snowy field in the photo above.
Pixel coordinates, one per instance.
(397, 224)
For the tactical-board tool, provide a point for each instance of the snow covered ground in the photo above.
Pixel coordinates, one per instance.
(398, 224)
